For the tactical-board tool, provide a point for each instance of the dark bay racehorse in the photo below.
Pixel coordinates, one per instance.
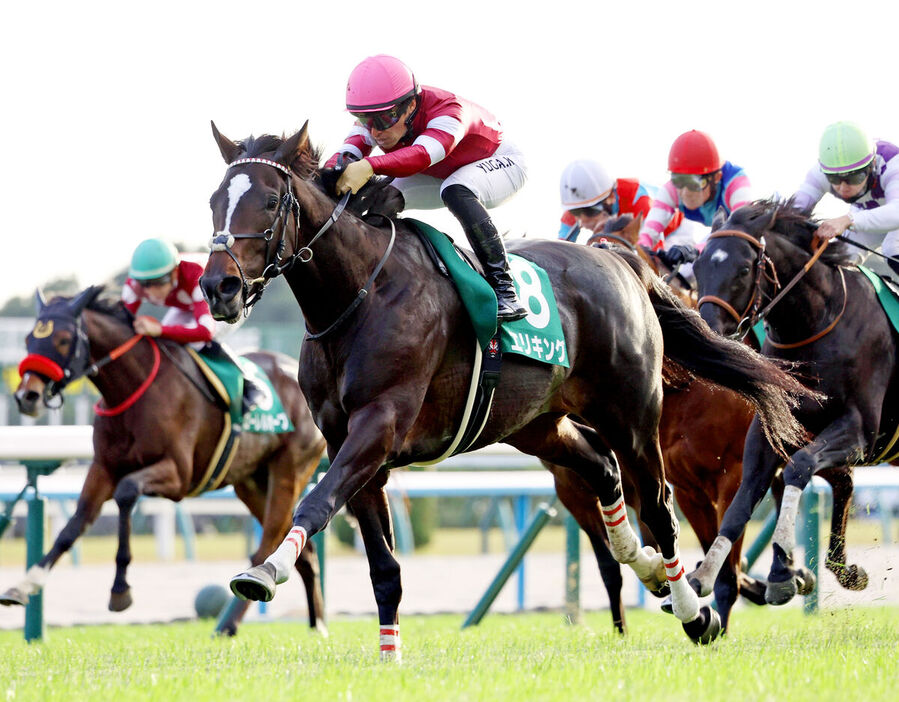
(701, 432)
(822, 314)
(158, 432)
(386, 378)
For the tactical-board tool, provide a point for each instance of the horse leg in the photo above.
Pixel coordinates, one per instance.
(160, 479)
(370, 436)
(579, 500)
(98, 488)
(849, 575)
(760, 464)
(370, 508)
(832, 447)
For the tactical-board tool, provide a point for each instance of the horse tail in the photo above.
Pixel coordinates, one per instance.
(690, 343)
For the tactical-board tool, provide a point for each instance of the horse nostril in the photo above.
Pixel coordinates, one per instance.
(229, 287)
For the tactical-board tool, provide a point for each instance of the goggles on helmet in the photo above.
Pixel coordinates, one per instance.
(593, 210)
(852, 177)
(156, 282)
(381, 120)
(690, 182)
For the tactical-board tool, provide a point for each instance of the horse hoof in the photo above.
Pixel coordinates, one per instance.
(805, 581)
(321, 630)
(854, 578)
(705, 628)
(257, 583)
(120, 601)
(668, 605)
(779, 593)
(229, 630)
(14, 596)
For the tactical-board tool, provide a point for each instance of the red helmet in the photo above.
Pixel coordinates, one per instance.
(694, 153)
(379, 83)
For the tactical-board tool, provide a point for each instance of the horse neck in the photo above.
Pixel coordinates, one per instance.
(116, 380)
(342, 260)
(812, 301)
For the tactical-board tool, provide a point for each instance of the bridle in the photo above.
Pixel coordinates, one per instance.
(754, 312)
(274, 262)
(289, 205)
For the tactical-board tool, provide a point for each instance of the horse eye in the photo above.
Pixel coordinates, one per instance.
(744, 271)
(272, 202)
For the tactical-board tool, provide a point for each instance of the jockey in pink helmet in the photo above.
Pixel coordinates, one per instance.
(442, 150)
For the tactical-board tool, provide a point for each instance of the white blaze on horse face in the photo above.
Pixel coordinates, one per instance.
(236, 188)
(719, 256)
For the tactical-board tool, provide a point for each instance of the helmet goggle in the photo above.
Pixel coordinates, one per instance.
(690, 182)
(156, 282)
(852, 177)
(592, 211)
(381, 120)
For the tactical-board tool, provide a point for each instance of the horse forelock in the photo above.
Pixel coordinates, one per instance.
(266, 144)
(782, 218)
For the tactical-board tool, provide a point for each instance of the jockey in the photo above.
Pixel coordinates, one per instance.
(700, 184)
(442, 150)
(863, 173)
(590, 197)
(157, 274)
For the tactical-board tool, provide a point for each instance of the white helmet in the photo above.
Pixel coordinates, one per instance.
(584, 183)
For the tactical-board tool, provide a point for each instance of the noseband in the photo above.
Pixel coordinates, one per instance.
(276, 265)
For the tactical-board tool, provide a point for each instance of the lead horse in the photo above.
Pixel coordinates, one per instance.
(823, 316)
(158, 434)
(386, 362)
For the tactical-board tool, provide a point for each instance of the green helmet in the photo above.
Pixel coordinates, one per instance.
(153, 258)
(844, 147)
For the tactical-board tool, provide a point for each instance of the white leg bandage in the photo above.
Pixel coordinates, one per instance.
(711, 564)
(391, 649)
(35, 579)
(684, 602)
(285, 556)
(645, 562)
(785, 531)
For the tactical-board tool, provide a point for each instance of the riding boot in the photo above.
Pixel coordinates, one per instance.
(253, 395)
(488, 247)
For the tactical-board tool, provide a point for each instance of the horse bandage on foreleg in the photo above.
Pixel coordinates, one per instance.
(684, 602)
(35, 579)
(391, 649)
(623, 540)
(285, 556)
(785, 531)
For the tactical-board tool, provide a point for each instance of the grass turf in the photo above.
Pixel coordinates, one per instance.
(771, 653)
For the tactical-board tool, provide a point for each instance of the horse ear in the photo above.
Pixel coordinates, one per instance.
(719, 219)
(229, 149)
(295, 148)
(84, 298)
(39, 300)
(632, 230)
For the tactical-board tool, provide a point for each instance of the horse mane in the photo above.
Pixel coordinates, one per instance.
(304, 167)
(112, 307)
(782, 218)
(614, 225)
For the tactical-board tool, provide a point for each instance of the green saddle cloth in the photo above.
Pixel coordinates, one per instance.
(538, 336)
(886, 295)
(269, 416)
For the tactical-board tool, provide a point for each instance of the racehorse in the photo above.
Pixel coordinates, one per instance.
(821, 314)
(389, 351)
(701, 432)
(158, 432)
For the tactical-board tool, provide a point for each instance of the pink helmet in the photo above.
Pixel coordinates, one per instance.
(379, 83)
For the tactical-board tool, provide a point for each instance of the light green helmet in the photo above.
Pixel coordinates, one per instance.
(153, 258)
(844, 147)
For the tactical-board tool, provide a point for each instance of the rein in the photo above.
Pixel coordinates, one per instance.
(752, 314)
(137, 394)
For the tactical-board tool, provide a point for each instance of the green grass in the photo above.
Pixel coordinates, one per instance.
(771, 654)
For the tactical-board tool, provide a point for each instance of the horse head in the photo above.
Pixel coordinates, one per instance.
(58, 350)
(748, 256)
(256, 218)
